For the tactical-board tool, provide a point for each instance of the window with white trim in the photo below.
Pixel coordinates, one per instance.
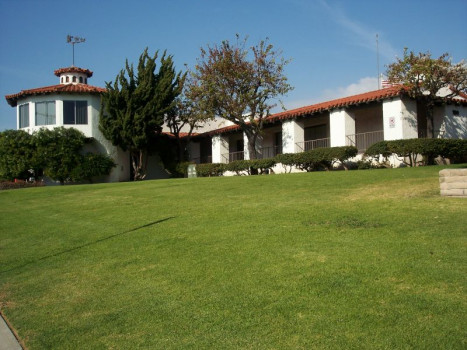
(75, 112)
(45, 113)
(24, 115)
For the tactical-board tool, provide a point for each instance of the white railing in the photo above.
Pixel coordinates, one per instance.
(312, 144)
(364, 140)
(233, 156)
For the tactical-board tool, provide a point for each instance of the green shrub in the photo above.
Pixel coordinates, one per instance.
(454, 149)
(210, 169)
(379, 151)
(92, 165)
(342, 154)
(59, 151)
(263, 166)
(304, 161)
(240, 167)
(408, 149)
(288, 160)
(411, 149)
(323, 158)
(180, 169)
(17, 155)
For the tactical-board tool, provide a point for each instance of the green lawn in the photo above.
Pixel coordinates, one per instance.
(372, 259)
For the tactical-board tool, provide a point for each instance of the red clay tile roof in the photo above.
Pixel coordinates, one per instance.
(366, 97)
(60, 71)
(61, 88)
(324, 106)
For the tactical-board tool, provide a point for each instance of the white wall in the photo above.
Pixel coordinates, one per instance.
(292, 133)
(220, 145)
(450, 122)
(400, 119)
(342, 123)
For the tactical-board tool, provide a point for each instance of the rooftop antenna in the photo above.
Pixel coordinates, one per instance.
(70, 39)
(377, 60)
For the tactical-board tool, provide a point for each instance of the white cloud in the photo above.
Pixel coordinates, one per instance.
(364, 36)
(363, 85)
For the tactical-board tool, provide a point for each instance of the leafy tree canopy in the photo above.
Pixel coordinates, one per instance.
(185, 117)
(239, 84)
(428, 79)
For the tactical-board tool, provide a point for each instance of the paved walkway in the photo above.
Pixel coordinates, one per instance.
(7, 339)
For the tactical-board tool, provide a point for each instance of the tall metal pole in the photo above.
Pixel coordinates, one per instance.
(377, 61)
(74, 40)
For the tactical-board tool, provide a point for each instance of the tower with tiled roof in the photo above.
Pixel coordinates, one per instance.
(72, 103)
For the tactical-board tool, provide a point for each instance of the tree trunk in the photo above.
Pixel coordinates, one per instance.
(139, 164)
(252, 150)
(430, 106)
(252, 144)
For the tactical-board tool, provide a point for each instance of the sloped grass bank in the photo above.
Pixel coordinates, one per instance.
(366, 259)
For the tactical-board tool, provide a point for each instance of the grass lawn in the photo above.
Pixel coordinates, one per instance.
(372, 259)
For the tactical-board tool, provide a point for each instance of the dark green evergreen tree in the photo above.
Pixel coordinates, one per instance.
(134, 106)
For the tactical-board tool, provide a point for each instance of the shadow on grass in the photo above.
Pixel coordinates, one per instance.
(87, 244)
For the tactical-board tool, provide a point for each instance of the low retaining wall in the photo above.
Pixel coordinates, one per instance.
(453, 182)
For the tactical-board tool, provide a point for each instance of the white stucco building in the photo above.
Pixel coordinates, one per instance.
(359, 120)
(71, 103)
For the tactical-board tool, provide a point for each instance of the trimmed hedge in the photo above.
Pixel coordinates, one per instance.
(287, 160)
(239, 167)
(251, 166)
(263, 166)
(318, 158)
(411, 149)
(210, 169)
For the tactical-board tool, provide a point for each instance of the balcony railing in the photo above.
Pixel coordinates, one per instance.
(312, 144)
(364, 140)
(233, 156)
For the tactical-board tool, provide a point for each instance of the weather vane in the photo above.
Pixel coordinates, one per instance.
(70, 39)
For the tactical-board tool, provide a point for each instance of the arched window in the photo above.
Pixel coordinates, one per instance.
(67, 79)
(74, 79)
(61, 80)
(81, 80)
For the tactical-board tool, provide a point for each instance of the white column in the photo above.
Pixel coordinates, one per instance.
(400, 119)
(220, 146)
(292, 133)
(341, 124)
(59, 113)
(32, 117)
(246, 151)
(17, 117)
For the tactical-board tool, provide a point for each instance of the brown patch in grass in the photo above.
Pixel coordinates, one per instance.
(394, 190)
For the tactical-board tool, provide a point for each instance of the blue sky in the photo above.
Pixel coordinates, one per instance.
(331, 43)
